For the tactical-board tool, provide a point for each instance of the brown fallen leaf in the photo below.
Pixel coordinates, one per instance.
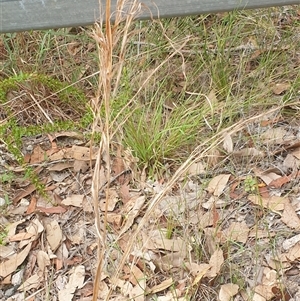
(83, 153)
(118, 167)
(290, 162)
(73, 261)
(217, 185)
(203, 269)
(215, 215)
(237, 231)
(138, 204)
(11, 229)
(109, 203)
(137, 293)
(76, 281)
(264, 192)
(206, 219)
(35, 228)
(87, 290)
(64, 153)
(196, 268)
(54, 235)
(73, 200)
(259, 233)
(266, 122)
(32, 206)
(29, 189)
(290, 242)
(266, 176)
(249, 152)
(196, 168)
(70, 134)
(134, 274)
(156, 239)
(278, 183)
(51, 210)
(290, 217)
(227, 291)
(171, 260)
(54, 147)
(115, 219)
(21, 236)
(274, 136)
(214, 202)
(293, 253)
(216, 261)
(81, 166)
(263, 291)
(9, 266)
(296, 152)
(279, 88)
(43, 260)
(75, 152)
(281, 294)
(213, 237)
(124, 193)
(227, 143)
(33, 282)
(87, 204)
(6, 251)
(38, 155)
(24, 193)
(60, 166)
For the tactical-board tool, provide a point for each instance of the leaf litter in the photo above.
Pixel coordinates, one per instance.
(190, 236)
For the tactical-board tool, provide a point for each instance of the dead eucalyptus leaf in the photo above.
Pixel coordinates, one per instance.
(217, 185)
(227, 291)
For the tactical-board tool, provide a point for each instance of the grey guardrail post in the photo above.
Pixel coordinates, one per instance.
(22, 15)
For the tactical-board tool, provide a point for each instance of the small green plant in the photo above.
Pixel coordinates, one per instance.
(250, 184)
(170, 227)
(6, 177)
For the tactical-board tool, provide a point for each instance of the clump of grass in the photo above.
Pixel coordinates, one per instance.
(217, 57)
(159, 136)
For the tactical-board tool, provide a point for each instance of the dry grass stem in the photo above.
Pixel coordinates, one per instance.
(107, 40)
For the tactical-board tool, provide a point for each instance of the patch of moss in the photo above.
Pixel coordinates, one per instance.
(66, 93)
(12, 132)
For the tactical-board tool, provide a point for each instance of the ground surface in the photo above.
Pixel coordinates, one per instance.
(228, 226)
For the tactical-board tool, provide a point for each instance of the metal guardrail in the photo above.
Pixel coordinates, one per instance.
(22, 15)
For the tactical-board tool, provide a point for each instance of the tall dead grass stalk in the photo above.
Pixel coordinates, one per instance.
(107, 34)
